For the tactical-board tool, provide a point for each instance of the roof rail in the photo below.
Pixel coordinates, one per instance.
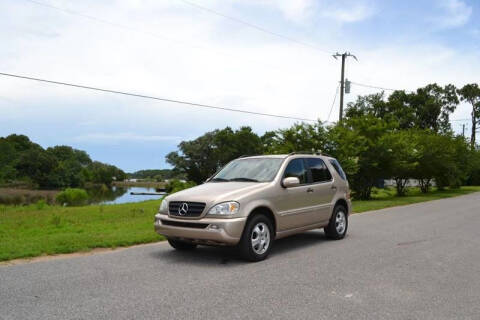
(304, 152)
(319, 153)
(249, 155)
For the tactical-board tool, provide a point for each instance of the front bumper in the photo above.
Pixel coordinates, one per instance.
(214, 231)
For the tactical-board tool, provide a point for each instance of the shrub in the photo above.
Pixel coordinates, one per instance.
(175, 185)
(41, 204)
(72, 197)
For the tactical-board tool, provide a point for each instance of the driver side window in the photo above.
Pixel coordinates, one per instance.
(296, 168)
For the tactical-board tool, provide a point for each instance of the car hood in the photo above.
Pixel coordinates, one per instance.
(214, 192)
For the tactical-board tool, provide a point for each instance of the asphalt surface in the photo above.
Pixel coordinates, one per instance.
(415, 262)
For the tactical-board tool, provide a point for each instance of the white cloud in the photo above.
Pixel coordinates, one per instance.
(297, 10)
(457, 13)
(352, 13)
(300, 11)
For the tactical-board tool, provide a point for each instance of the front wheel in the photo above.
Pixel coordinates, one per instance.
(337, 227)
(181, 245)
(257, 238)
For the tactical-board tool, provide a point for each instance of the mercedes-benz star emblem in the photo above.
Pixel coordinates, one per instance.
(183, 209)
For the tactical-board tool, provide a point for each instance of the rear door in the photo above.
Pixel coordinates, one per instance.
(323, 189)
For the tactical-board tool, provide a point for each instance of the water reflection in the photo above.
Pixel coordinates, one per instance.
(116, 195)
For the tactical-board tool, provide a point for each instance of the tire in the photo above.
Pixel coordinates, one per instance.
(257, 238)
(181, 245)
(338, 225)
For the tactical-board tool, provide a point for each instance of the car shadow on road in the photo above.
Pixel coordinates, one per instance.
(229, 256)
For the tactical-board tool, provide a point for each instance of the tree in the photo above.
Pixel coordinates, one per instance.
(21, 143)
(433, 105)
(55, 167)
(471, 94)
(441, 158)
(359, 145)
(71, 162)
(372, 104)
(473, 178)
(427, 108)
(299, 137)
(102, 173)
(37, 165)
(402, 161)
(200, 158)
(7, 160)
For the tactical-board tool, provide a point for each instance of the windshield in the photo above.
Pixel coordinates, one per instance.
(249, 170)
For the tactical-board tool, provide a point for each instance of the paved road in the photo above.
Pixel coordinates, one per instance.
(415, 262)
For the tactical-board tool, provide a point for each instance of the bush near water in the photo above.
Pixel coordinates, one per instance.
(72, 197)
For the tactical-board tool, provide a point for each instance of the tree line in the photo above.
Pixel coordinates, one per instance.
(155, 175)
(406, 135)
(24, 161)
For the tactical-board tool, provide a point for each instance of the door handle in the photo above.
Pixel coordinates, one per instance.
(309, 190)
(334, 188)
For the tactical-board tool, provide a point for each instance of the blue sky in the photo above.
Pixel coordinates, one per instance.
(171, 49)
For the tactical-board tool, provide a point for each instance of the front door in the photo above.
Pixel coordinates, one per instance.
(296, 206)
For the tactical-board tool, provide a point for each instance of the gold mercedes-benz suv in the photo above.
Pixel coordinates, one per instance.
(254, 200)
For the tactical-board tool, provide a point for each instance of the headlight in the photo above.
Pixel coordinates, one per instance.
(164, 206)
(225, 208)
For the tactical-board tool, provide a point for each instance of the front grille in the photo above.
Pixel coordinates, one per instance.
(185, 224)
(193, 209)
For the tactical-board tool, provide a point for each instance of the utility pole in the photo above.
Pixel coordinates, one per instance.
(342, 78)
(463, 130)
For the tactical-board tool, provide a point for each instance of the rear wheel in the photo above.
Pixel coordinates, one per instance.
(181, 245)
(257, 238)
(337, 227)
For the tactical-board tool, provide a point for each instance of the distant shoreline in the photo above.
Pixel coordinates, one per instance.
(145, 184)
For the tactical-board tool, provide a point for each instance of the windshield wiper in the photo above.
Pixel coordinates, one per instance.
(219, 179)
(244, 179)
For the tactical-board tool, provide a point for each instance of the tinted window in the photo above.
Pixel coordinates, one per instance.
(338, 168)
(296, 169)
(319, 170)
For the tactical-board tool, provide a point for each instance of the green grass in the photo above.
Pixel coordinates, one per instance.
(29, 231)
(385, 198)
(35, 230)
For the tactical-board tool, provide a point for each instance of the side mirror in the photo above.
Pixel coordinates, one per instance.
(290, 182)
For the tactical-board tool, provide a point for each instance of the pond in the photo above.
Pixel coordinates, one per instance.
(117, 195)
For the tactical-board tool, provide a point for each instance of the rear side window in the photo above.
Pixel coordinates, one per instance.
(319, 170)
(297, 169)
(338, 168)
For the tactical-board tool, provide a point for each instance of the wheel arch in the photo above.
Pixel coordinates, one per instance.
(342, 202)
(265, 211)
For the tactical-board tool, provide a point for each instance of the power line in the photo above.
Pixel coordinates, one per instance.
(376, 87)
(253, 26)
(333, 103)
(460, 119)
(154, 98)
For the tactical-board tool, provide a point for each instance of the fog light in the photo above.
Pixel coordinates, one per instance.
(214, 227)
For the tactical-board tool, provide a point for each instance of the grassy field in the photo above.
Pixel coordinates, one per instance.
(34, 230)
(385, 198)
(28, 231)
